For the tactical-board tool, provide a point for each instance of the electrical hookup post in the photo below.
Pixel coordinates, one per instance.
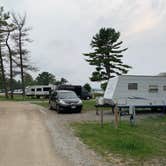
(132, 115)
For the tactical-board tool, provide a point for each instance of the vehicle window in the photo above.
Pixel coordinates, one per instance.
(67, 95)
(32, 90)
(153, 88)
(164, 88)
(132, 86)
(39, 89)
(46, 89)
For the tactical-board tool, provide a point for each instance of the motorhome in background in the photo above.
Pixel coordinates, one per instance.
(143, 91)
(79, 90)
(39, 90)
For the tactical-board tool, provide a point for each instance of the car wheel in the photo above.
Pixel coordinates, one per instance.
(57, 109)
(79, 111)
(50, 106)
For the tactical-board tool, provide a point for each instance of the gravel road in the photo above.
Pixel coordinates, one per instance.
(33, 136)
(25, 139)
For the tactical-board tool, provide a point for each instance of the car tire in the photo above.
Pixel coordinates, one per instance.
(79, 111)
(50, 107)
(57, 109)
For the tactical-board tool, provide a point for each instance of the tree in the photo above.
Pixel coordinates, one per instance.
(28, 80)
(3, 24)
(10, 29)
(87, 87)
(20, 38)
(45, 78)
(107, 55)
(63, 81)
(104, 86)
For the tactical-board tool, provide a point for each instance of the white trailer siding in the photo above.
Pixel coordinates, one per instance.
(39, 90)
(145, 94)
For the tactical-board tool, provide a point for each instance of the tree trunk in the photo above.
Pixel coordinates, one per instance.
(21, 65)
(3, 73)
(11, 65)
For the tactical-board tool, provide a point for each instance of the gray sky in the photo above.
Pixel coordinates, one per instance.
(63, 29)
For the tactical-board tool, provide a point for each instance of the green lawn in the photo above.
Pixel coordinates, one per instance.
(141, 142)
(20, 98)
(89, 105)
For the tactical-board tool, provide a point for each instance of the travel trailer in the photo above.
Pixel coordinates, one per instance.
(39, 90)
(138, 91)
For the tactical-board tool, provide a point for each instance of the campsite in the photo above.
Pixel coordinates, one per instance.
(82, 83)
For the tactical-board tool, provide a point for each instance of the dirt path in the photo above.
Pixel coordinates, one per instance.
(25, 139)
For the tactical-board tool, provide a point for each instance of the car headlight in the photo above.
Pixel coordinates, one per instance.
(80, 102)
(62, 102)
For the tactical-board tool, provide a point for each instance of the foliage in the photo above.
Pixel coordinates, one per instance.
(4, 17)
(107, 55)
(87, 87)
(104, 86)
(28, 80)
(20, 38)
(45, 78)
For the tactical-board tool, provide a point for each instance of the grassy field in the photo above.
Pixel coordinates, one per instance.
(20, 98)
(89, 105)
(146, 140)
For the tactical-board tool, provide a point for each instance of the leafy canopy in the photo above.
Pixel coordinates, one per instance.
(87, 87)
(45, 78)
(107, 55)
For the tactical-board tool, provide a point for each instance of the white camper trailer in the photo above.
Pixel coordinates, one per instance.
(141, 91)
(39, 90)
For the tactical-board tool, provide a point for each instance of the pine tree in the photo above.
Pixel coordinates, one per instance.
(107, 55)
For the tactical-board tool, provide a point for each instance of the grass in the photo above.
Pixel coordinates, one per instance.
(89, 105)
(42, 103)
(145, 140)
(20, 98)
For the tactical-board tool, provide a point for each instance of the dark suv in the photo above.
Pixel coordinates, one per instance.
(64, 100)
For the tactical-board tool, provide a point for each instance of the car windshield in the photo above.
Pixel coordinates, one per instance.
(67, 95)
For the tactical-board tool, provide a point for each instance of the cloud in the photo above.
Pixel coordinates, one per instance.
(63, 29)
(149, 15)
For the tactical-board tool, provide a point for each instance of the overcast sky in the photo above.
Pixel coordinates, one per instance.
(63, 29)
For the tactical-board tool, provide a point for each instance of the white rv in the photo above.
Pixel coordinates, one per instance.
(141, 91)
(39, 90)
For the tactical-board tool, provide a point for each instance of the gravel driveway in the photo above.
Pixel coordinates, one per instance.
(35, 136)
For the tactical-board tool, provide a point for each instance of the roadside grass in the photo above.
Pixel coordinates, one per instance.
(89, 105)
(147, 139)
(20, 98)
(41, 103)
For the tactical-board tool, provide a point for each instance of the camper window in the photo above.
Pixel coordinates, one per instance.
(153, 88)
(132, 86)
(32, 90)
(164, 88)
(39, 89)
(46, 89)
